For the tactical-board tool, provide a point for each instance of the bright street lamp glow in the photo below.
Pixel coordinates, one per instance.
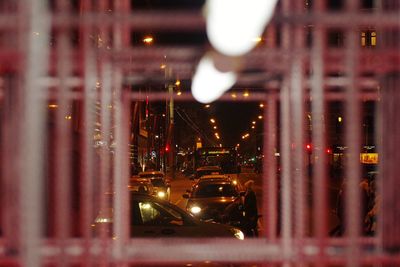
(261, 105)
(233, 25)
(215, 127)
(246, 94)
(212, 120)
(148, 40)
(253, 122)
(209, 83)
(260, 117)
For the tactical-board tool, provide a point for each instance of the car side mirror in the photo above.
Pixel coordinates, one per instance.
(186, 195)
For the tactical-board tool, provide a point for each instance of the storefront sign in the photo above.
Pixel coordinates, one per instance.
(369, 158)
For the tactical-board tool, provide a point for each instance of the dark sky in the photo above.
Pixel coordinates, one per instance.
(233, 119)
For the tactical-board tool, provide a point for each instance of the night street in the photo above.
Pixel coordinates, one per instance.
(199, 133)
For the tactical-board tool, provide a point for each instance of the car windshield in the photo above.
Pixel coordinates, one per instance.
(207, 172)
(158, 182)
(215, 190)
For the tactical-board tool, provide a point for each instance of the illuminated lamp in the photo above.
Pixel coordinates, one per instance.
(209, 83)
(233, 25)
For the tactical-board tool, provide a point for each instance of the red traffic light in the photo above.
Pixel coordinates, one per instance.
(308, 146)
(167, 148)
(328, 150)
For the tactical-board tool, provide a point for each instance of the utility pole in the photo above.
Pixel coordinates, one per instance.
(170, 142)
(171, 157)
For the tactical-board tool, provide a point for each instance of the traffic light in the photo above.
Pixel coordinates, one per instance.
(308, 147)
(167, 148)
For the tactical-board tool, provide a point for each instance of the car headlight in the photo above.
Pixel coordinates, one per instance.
(161, 194)
(195, 209)
(237, 233)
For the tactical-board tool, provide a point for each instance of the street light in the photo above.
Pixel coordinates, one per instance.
(148, 40)
(212, 120)
(260, 117)
(253, 122)
(261, 105)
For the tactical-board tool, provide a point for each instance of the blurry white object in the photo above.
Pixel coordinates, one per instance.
(209, 83)
(234, 25)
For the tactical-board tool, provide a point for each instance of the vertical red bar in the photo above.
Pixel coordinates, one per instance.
(353, 205)
(270, 172)
(286, 166)
(318, 103)
(297, 99)
(388, 198)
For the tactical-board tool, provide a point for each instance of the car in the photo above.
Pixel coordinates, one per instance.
(206, 170)
(141, 185)
(161, 185)
(208, 198)
(152, 217)
(221, 177)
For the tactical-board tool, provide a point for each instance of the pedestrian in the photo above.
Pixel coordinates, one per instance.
(233, 213)
(250, 209)
(341, 205)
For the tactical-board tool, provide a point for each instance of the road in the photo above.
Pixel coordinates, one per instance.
(181, 183)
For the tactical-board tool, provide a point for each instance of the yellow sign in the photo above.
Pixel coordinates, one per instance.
(369, 158)
(198, 145)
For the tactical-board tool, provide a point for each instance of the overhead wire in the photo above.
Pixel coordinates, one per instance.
(193, 125)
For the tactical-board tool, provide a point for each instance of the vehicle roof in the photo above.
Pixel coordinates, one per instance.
(151, 173)
(215, 176)
(214, 181)
(139, 180)
(208, 168)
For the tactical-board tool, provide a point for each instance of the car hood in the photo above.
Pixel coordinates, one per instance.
(221, 202)
(211, 208)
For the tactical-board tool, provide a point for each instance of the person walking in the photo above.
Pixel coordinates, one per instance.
(250, 210)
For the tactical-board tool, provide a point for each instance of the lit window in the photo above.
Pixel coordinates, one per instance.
(373, 38)
(362, 38)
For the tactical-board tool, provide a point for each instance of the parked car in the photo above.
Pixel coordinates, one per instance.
(152, 217)
(208, 198)
(161, 185)
(141, 185)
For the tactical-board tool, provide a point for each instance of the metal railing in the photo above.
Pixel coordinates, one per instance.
(59, 94)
